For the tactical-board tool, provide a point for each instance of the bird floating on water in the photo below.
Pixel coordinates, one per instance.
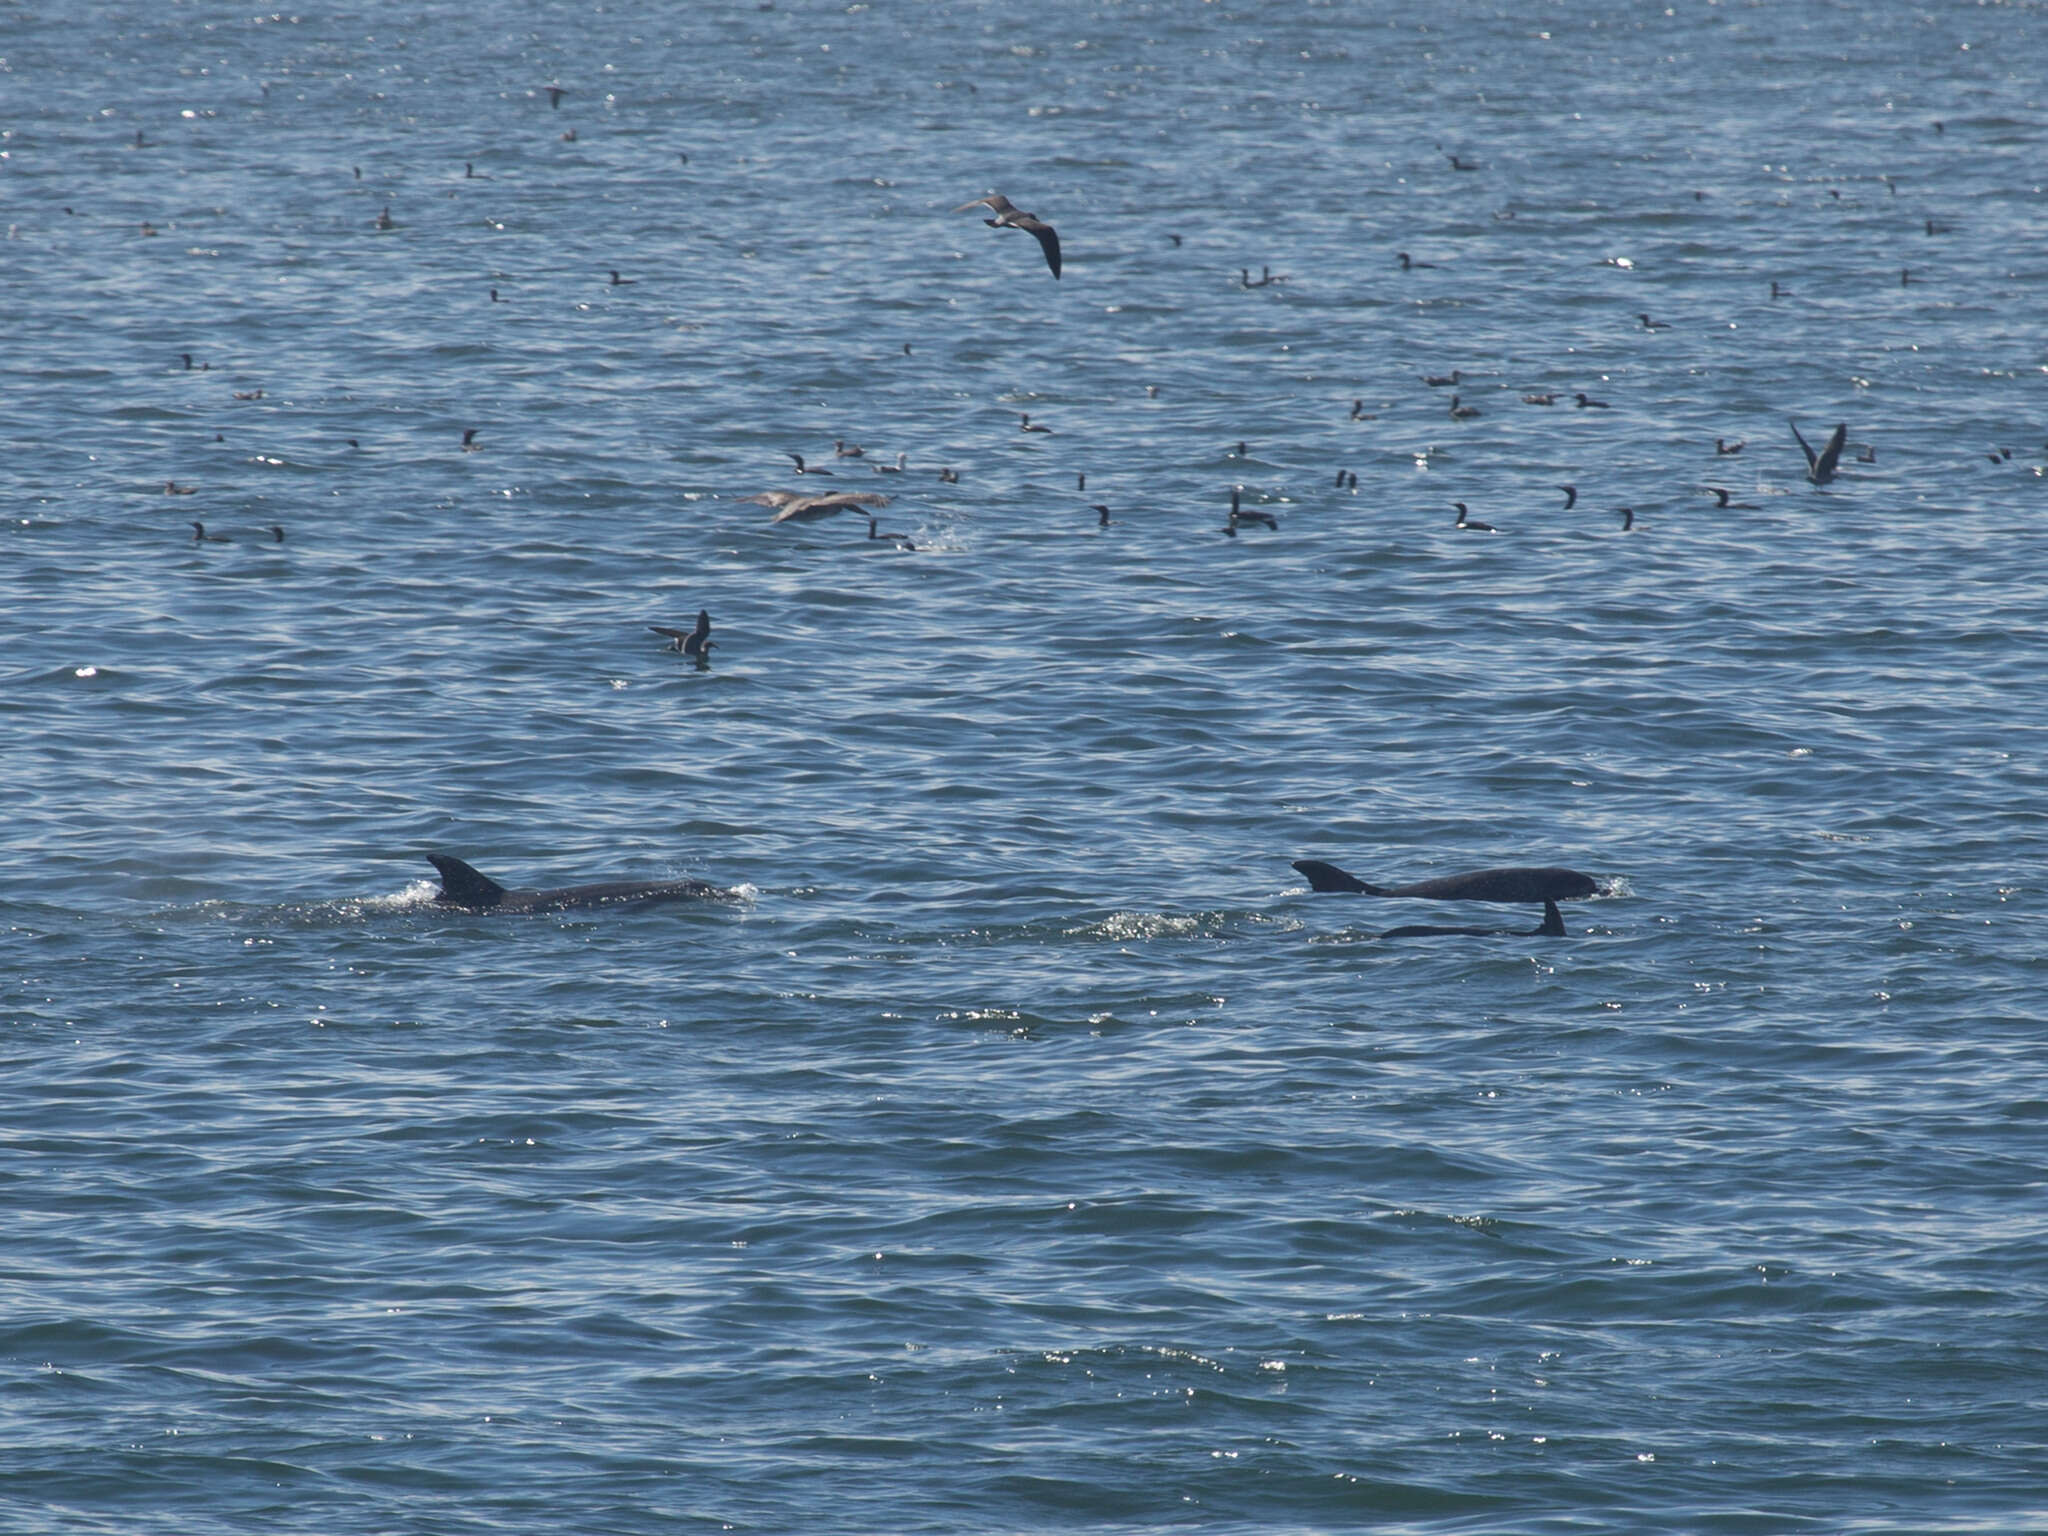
(1571, 496)
(1440, 380)
(201, 536)
(1009, 216)
(1024, 424)
(693, 642)
(1465, 522)
(1587, 403)
(1722, 445)
(1462, 412)
(803, 468)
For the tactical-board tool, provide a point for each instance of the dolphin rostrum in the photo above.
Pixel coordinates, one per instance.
(470, 891)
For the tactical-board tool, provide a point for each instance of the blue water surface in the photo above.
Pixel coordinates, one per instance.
(1023, 1146)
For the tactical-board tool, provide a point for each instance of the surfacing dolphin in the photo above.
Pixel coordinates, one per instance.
(1546, 885)
(469, 890)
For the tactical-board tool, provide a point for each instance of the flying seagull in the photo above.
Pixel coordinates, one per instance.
(1820, 467)
(1009, 216)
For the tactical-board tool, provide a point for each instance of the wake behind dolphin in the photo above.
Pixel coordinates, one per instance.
(1548, 885)
(469, 890)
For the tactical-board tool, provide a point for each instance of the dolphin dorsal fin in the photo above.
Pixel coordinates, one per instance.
(1328, 877)
(462, 886)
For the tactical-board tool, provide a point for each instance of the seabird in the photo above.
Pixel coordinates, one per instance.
(201, 536)
(792, 507)
(1408, 264)
(1239, 515)
(900, 539)
(1721, 501)
(555, 95)
(1820, 467)
(621, 282)
(801, 468)
(1081, 481)
(1571, 496)
(1722, 445)
(1628, 519)
(693, 642)
(384, 219)
(469, 442)
(276, 534)
(1539, 399)
(841, 449)
(1009, 216)
(172, 488)
(1464, 165)
(1024, 424)
(1462, 412)
(1654, 325)
(1587, 403)
(1102, 515)
(902, 459)
(1468, 525)
(949, 477)
(1439, 380)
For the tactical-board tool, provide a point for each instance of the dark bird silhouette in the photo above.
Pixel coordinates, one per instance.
(469, 442)
(555, 95)
(1009, 216)
(1462, 412)
(949, 477)
(172, 488)
(1587, 403)
(1721, 501)
(1024, 424)
(803, 468)
(1820, 467)
(384, 219)
(1102, 515)
(276, 534)
(1440, 380)
(621, 282)
(201, 536)
(693, 642)
(1654, 325)
(1464, 165)
(1722, 445)
(901, 540)
(1465, 522)
(1409, 264)
(1238, 514)
(842, 449)
(1571, 496)
(1628, 519)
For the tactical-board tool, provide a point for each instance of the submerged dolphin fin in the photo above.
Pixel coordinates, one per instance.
(462, 886)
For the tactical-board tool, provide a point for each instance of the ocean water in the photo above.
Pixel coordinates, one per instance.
(1023, 1146)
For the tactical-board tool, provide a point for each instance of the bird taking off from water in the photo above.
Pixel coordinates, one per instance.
(1009, 216)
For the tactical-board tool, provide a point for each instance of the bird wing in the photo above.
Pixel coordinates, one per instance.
(995, 202)
(1811, 461)
(673, 634)
(1047, 237)
(775, 498)
(1832, 454)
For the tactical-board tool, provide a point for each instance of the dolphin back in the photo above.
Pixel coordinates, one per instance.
(1328, 878)
(1514, 884)
(462, 886)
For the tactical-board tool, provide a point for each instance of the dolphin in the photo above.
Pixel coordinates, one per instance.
(1513, 884)
(467, 890)
(1551, 927)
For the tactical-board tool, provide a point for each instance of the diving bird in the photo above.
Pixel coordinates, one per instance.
(694, 642)
(901, 540)
(1238, 514)
(1628, 518)
(1009, 216)
(1820, 467)
(1467, 524)
(1571, 496)
(1721, 501)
